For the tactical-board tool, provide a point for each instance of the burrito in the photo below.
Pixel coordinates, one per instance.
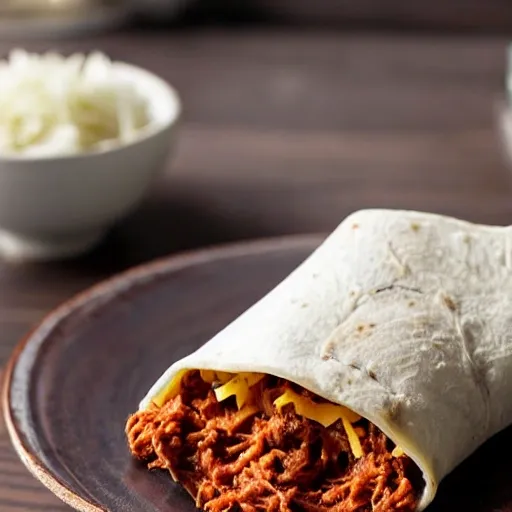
(356, 384)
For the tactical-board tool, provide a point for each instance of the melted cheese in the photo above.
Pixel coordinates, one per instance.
(353, 439)
(325, 414)
(397, 452)
(239, 386)
(211, 376)
(172, 389)
(251, 378)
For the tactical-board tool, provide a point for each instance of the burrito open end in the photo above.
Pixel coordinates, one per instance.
(253, 442)
(356, 384)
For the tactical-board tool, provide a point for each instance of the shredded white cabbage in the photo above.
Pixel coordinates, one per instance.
(55, 105)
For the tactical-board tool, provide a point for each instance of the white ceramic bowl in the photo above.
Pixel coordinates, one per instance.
(57, 207)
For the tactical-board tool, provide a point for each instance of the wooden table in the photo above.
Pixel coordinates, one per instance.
(285, 132)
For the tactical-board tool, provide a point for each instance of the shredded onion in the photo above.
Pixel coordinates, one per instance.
(56, 105)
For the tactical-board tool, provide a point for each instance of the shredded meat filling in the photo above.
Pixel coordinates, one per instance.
(231, 460)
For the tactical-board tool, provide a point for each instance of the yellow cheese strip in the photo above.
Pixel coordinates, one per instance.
(223, 377)
(172, 389)
(208, 376)
(251, 378)
(397, 452)
(238, 387)
(211, 376)
(353, 439)
(325, 414)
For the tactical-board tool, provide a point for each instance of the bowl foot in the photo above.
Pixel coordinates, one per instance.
(18, 247)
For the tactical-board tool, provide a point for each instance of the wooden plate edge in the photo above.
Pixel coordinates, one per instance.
(112, 285)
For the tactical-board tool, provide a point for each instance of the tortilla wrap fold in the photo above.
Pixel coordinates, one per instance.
(404, 318)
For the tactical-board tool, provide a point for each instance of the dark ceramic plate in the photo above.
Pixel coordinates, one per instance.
(72, 383)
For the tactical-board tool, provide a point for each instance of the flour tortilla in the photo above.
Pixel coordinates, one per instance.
(405, 318)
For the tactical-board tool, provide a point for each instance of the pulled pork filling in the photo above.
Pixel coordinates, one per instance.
(257, 457)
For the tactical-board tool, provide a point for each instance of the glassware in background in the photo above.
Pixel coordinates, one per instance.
(504, 109)
(56, 18)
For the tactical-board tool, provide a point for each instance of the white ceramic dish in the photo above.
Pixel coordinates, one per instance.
(57, 207)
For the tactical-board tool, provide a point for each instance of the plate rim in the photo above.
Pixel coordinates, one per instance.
(113, 286)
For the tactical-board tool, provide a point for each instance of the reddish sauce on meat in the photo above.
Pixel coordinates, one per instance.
(269, 461)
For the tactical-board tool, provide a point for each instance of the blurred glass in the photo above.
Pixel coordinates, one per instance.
(504, 108)
(29, 18)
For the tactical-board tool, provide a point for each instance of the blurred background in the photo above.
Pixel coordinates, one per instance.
(295, 113)
(298, 112)
(454, 15)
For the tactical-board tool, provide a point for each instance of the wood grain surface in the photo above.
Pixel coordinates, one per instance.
(285, 132)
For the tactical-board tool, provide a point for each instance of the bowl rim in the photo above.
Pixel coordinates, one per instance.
(146, 132)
